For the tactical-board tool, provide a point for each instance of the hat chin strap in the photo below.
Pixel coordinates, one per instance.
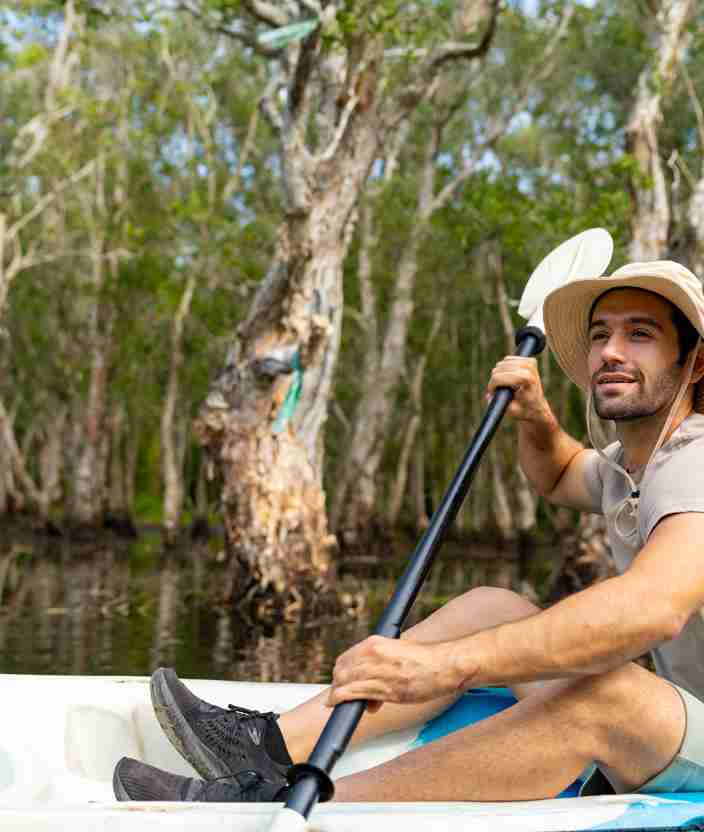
(627, 510)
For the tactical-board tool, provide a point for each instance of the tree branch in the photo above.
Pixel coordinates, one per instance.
(299, 92)
(544, 66)
(267, 13)
(41, 204)
(696, 103)
(454, 50)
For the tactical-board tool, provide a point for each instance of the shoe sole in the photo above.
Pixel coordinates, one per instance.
(180, 733)
(118, 788)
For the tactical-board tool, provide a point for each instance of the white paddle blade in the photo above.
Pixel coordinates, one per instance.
(585, 255)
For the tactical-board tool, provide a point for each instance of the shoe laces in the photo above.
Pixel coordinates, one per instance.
(251, 782)
(246, 713)
(227, 727)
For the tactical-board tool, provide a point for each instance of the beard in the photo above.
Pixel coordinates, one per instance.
(641, 401)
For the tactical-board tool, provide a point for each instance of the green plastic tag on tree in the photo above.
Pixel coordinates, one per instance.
(278, 38)
(290, 403)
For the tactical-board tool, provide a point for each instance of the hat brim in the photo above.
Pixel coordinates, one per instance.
(566, 316)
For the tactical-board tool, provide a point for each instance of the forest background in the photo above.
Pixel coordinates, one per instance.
(257, 259)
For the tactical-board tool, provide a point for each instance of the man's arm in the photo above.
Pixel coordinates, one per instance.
(593, 631)
(552, 460)
(605, 625)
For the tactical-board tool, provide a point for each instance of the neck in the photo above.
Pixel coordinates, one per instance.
(638, 437)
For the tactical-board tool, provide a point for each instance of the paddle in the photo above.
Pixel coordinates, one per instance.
(586, 255)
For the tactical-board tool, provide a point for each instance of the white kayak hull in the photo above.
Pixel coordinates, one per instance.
(60, 737)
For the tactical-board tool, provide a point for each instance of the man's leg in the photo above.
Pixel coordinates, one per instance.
(629, 721)
(475, 610)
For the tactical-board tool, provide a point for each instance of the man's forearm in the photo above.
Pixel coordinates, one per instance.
(545, 451)
(594, 631)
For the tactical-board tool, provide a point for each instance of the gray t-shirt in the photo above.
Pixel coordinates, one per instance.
(674, 484)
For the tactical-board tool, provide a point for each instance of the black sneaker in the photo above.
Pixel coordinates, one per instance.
(218, 742)
(133, 780)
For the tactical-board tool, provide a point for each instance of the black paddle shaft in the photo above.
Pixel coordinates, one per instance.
(311, 781)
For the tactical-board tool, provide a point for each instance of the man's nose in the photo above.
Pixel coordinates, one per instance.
(612, 349)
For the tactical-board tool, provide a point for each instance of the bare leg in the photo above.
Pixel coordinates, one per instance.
(475, 610)
(629, 720)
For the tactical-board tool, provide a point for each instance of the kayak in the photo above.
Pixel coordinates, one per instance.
(61, 736)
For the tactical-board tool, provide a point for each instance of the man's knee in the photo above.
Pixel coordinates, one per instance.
(628, 707)
(470, 612)
(500, 604)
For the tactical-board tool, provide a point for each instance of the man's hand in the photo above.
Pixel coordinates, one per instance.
(391, 670)
(521, 375)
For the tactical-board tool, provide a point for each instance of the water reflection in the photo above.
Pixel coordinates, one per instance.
(112, 607)
(117, 608)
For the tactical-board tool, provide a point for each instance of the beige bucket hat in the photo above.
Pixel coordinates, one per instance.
(566, 309)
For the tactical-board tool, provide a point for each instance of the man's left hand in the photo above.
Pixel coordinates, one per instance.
(382, 669)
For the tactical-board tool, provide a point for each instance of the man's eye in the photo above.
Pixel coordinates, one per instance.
(640, 333)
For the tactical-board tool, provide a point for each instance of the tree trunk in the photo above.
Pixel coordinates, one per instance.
(418, 488)
(413, 425)
(131, 459)
(120, 509)
(116, 479)
(525, 497)
(262, 422)
(650, 223)
(4, 479)
(171, 453)
(503, 514)
(51, 464)
(20, 484)
(695, 216)
(356, 493)
(88, 487)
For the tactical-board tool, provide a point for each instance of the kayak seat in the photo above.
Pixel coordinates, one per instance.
(97, 737)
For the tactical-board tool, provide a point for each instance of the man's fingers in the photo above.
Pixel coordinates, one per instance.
(368, 689)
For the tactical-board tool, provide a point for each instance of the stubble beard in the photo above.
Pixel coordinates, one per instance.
(639, 403)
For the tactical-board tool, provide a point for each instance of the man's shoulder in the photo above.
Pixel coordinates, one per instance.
(686, 441)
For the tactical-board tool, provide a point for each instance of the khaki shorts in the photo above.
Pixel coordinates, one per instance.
(684, 774)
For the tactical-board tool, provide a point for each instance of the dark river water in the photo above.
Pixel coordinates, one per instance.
(111, 607)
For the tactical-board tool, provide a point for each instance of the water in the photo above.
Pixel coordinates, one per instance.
(109, 607)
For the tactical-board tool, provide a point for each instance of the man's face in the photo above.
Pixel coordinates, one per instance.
(633, 355)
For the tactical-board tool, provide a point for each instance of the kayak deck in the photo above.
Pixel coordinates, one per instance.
(60, 737)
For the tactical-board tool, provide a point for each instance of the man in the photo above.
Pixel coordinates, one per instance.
(631, 341)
